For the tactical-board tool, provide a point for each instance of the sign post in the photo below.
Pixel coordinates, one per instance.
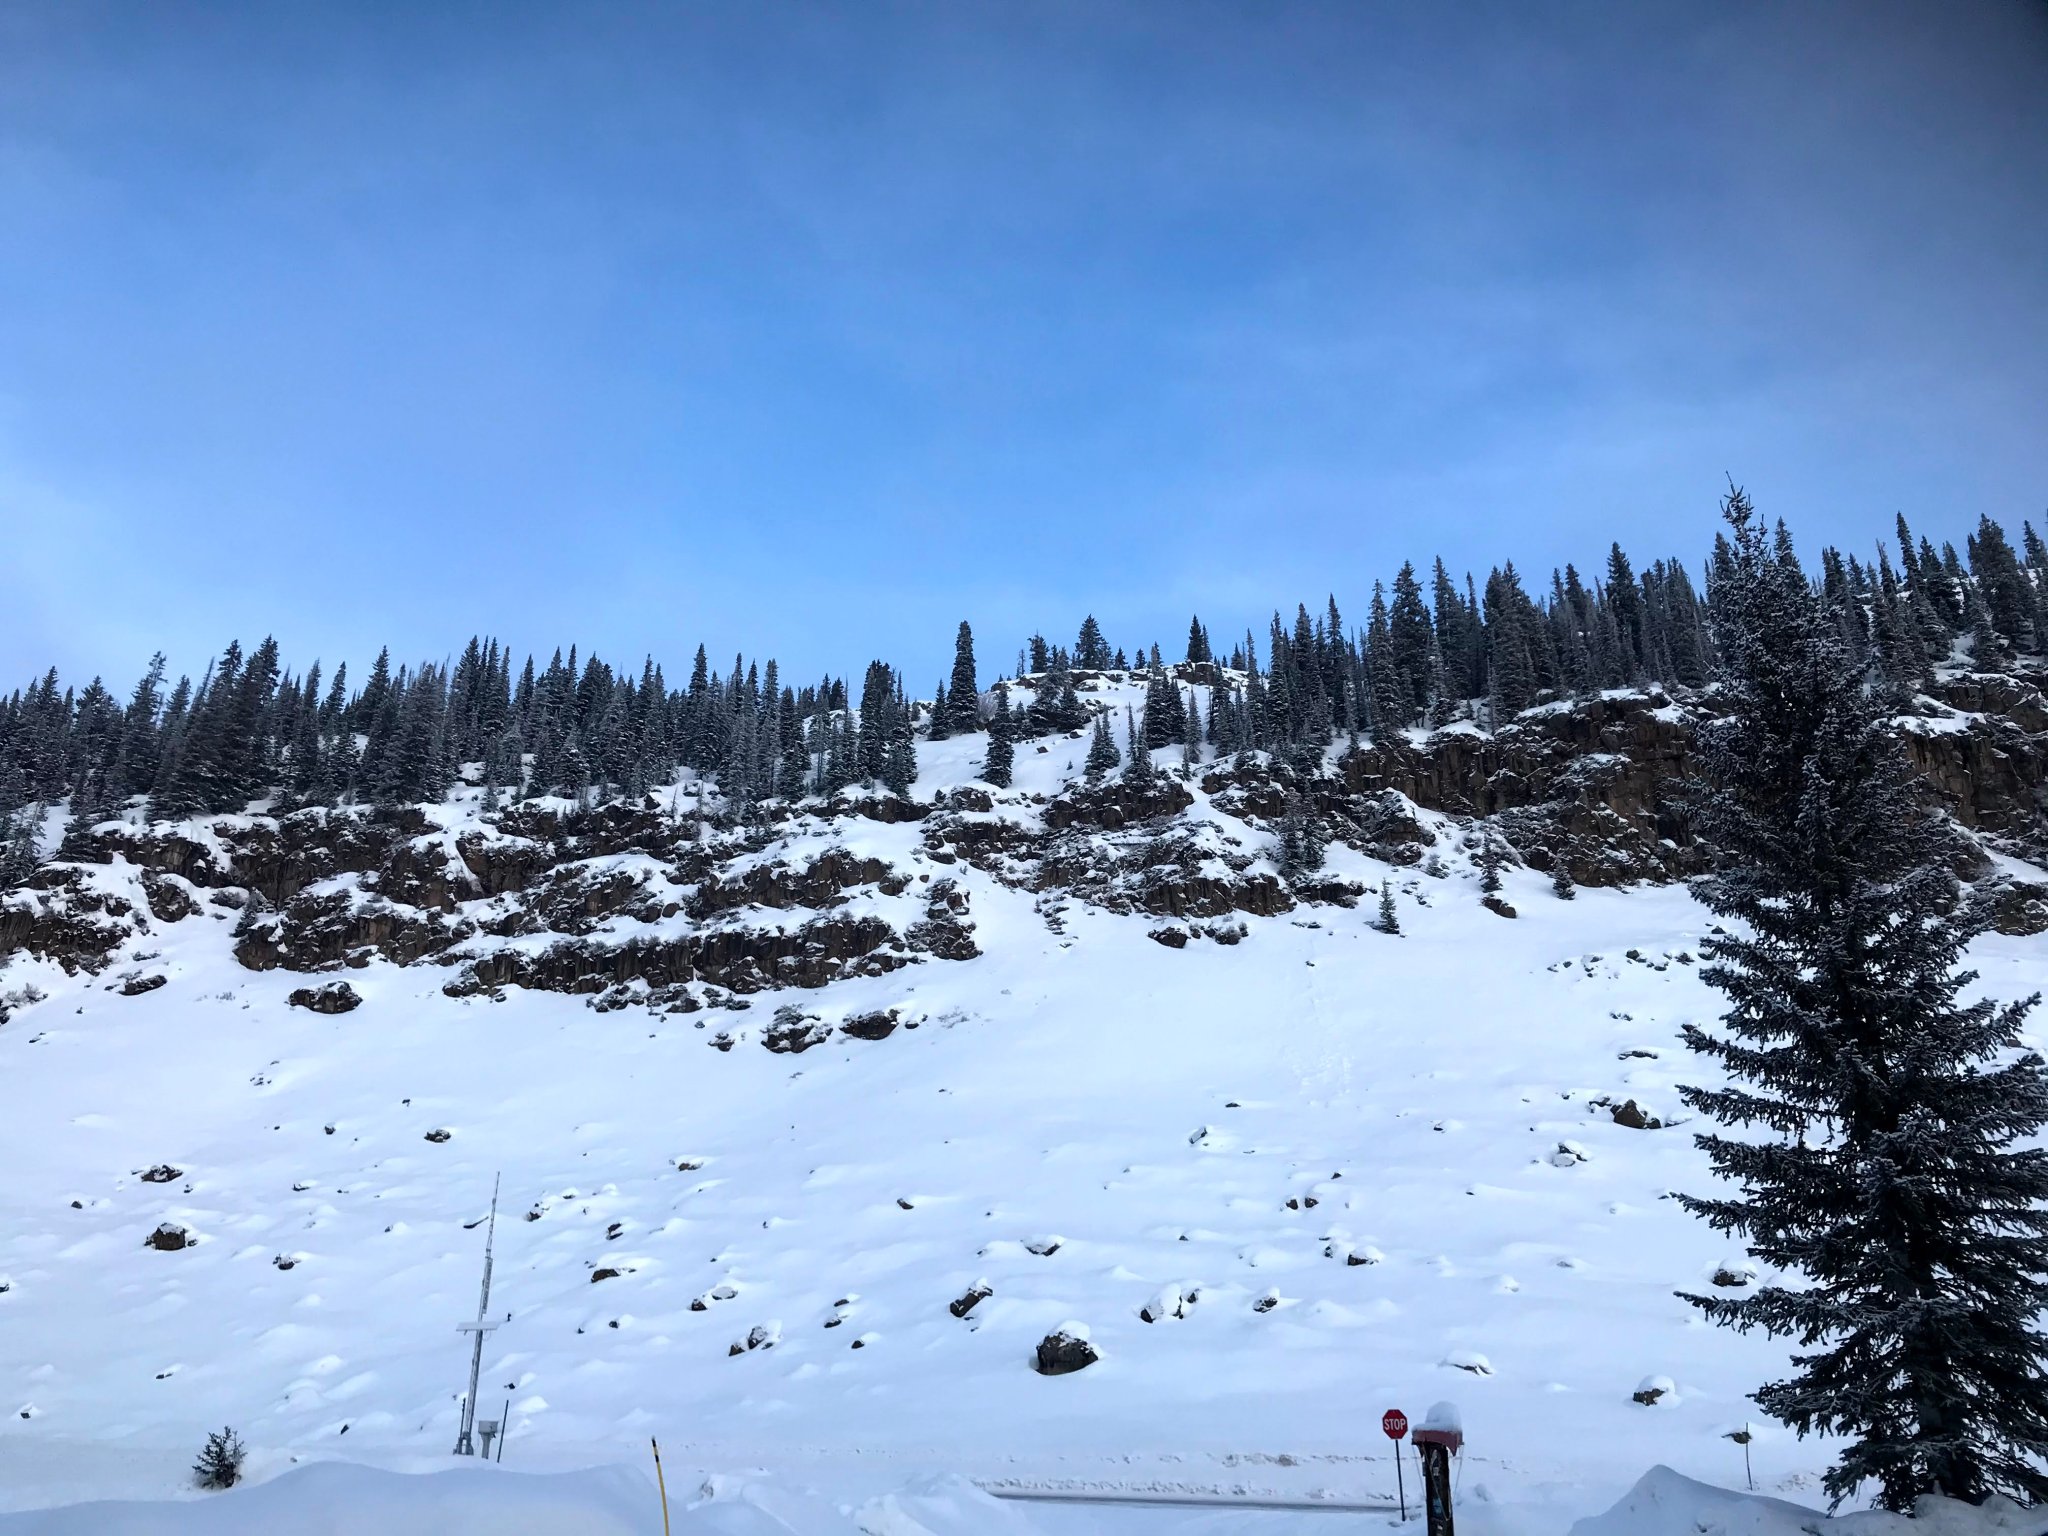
(1395, 1423)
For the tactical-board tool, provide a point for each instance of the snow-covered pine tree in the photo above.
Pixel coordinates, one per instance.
(1137, 755)
(1102, 752)
(997, 765)
(1880, 1164)
(1489, 861)
(220, 1461)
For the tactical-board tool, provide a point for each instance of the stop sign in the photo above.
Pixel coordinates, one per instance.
(1395, 1423)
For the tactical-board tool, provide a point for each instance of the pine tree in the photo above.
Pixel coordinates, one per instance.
(1137, 755)
(963, 693)
(1091, 651)
(1879, 1164)
(997, 765)
(1102, 752)
(220, 1461)
(1389, 919)
(1489, 861)
(1561, 880)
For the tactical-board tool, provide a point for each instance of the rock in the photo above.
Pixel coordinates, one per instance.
(169, 1237)
(870, 1026)
(334, 997)
(793, 1032)
(162, 1173)
(1267, 1302)
(1170, 936)
(135, 986)
(437, 1136)
(2019, 908)
(285, 1261)
(606, 1273)
(973, 1297)
(1497, 906)
(1653, 1390)
(1730, 1277)
(1634, 1117)
(1065, 1351)
(1044, 1247)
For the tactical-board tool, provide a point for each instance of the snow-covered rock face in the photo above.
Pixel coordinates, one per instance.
(1290, 1170)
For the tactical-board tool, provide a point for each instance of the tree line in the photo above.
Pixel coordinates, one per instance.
(250, 729)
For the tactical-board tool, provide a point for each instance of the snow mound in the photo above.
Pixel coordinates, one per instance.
(1665, 1503)
(333, 1498)
(343, 1499)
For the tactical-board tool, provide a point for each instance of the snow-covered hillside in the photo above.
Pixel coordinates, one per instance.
(1285, 1180)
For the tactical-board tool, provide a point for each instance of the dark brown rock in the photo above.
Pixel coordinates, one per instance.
(870, 1026)
(1061, 1354)
(334, 997)
(968, 1300)
(168, 1238)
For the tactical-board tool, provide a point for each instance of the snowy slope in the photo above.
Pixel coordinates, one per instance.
(1406, 1143)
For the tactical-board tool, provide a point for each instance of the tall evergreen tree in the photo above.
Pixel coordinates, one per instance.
(1880, 1113)
(963, 692)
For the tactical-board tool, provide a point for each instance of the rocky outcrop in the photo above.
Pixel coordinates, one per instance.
(817, 885)
(741, 960)
(74, 916)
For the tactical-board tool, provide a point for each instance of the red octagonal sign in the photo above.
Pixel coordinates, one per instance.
(1395, 1423)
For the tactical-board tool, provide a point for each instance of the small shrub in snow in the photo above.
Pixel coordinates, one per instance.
(220, 1463)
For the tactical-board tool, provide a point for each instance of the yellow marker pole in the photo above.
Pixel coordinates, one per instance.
(660, 1483)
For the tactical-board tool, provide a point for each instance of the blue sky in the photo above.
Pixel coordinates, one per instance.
(814, 329)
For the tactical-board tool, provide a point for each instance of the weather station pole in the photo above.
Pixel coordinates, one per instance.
(1438, 1436)
(465, 1443)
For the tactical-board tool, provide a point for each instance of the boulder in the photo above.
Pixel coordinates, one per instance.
(334, 997)
(870, 1026)
(169, 1237)
(971, 1298)
(1064, 1351)
(793, 1032)
(162, 1173)
(135, 986)
(1632, 1115)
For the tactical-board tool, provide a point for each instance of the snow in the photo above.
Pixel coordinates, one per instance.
(1664, 1503)
(1397, 1101)
(345, 1499)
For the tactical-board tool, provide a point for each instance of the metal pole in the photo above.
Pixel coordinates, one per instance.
(1400, 1484)
(465, 1445)
(1436, 1487)
(660, 1483)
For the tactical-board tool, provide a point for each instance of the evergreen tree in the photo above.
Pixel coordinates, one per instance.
(1882, 1113)
(1091, 651)
(1137, 755)
(1102, 752)
(1561, 880)
(1389, 920)
(963, 693)
(997, 765)
(1489, 861)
